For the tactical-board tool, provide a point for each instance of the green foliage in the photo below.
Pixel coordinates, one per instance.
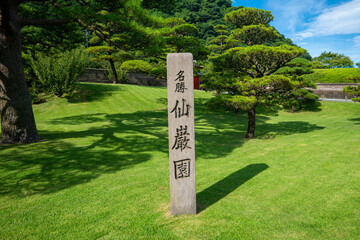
(358, 64)
(333, 60)
(173, 22)
(218, 44)
(254, 34)
(162, 5)
(336, 75)
(318, 65)
(120, 29)
(354, 91)
(204, 14)
(48, 39)
(58, 73)
(296, 67)
(136, 66)
(256, 61)
(249, 16)
(185, 30)
(242, 76)
(300, 98)
(180, 38)
(158, 72)
(306, 56)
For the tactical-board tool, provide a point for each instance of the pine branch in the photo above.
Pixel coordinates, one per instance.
(42, 22)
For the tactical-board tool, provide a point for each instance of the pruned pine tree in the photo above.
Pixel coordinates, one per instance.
(181, 37)
(243, 76)
(299, 97)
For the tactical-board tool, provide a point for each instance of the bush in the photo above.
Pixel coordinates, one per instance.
(337, 75)
(136, 66)
(158, 72)
(58, 74)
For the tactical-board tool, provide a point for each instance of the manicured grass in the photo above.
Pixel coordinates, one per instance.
(102, 172)
(336, 75)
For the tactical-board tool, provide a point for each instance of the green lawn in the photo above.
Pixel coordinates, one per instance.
(102, 172)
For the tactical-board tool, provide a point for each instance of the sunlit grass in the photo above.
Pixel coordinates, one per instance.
(101, 171)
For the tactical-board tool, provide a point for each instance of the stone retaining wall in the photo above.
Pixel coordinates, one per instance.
(332, 90)
(144, 80)
(100, 76)
(327, 90)
(95, 76)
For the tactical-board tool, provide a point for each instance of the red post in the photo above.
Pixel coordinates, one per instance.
(196, 83)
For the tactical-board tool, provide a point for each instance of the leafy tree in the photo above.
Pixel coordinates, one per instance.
(242, 76)
(306, 56)
(332, 60)
(298, 97)
(136, 66)
(217, 44)
(17, 118)
(358, 64)
(254, 34)
(249, 16)
(204, 14)
(161, 5)
(353, 90)
(296, 67)
(180, 37)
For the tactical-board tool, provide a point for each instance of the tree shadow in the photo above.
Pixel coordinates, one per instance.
(59, 165)
(221, 189)
(71, 157)
(357, 120)
(271, 130)
(312, 107)
(87, 92)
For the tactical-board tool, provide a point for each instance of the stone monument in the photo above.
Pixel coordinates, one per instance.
(180, 86)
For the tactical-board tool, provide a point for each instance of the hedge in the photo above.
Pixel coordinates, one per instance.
(136, 66)
(336, 75)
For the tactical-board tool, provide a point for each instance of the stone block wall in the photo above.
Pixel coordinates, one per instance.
(100, 76)
(328, 90)
(144, 80)
(332, 90)
(95, 76)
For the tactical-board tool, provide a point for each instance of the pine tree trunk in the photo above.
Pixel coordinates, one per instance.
(17, 118)
(251, 123)
(113, 69)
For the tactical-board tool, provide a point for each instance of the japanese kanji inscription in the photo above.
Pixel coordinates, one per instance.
(180, 84)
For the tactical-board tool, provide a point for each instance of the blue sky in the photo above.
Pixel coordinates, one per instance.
(316, 25)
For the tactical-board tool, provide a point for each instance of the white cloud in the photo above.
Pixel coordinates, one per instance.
(356, 41)
(341, 19)
(291, 13)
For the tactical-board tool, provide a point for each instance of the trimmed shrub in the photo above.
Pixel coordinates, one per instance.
(136, 66)
(158, 73)
(337, 75)
(58, 74)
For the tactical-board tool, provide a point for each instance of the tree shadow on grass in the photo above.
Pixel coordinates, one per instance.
(116, 142)
(221, 189)
(87, 92)
(53, 166)
(357, 120)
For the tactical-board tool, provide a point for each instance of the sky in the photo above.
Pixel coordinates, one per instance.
(316, 25)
